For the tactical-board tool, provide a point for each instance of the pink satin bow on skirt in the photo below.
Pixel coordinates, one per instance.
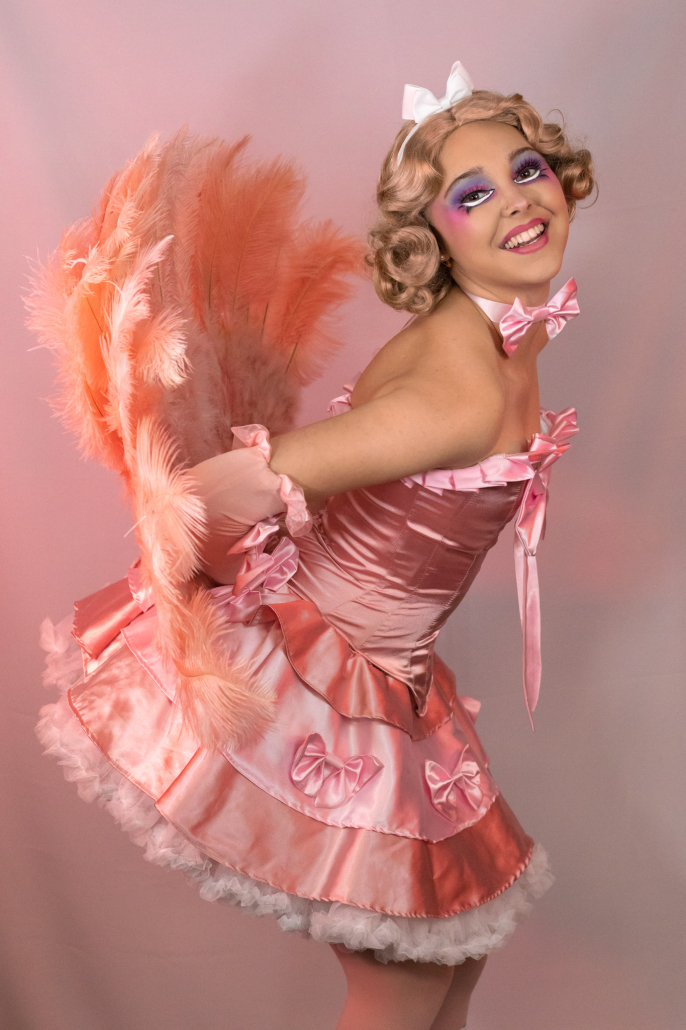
(448, 789)
(326, 777)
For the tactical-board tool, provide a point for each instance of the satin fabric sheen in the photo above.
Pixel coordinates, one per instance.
(373, 756)
(499, 470)
(396, 800)
(388, 564)
(139, 730)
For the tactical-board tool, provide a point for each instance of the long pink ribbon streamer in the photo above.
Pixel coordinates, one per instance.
(546, 449)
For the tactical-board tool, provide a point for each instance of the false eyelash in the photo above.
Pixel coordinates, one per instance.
(461, 197)
(530, 162)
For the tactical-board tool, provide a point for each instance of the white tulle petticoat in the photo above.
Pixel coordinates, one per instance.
(449, 941)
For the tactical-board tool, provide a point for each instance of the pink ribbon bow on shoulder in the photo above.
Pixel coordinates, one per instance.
(326, 777)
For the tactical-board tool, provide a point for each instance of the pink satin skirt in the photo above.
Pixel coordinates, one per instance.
(305, 824)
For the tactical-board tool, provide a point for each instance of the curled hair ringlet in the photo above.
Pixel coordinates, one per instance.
(405, 250)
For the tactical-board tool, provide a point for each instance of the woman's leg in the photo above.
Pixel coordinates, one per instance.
(452, 1014)
(397, 996)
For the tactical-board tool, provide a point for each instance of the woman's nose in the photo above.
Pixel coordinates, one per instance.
(514, 199)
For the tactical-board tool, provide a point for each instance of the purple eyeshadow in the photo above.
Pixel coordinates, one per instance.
(456, 201)
(457, 198)
(532, 160)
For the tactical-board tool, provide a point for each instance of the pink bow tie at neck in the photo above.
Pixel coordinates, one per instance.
(545, 450)
(555, 314)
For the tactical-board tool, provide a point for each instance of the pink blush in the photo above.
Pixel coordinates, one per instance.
(458, 215)
(454, 218)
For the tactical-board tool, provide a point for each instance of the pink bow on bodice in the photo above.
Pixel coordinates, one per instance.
(555, 314)
(545, 450)
(447, 788)
(326, 777)
(259, 571)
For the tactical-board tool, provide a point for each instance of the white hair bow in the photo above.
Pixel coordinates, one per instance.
(419, 103)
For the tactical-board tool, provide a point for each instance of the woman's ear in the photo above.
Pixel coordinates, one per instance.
(446, 259)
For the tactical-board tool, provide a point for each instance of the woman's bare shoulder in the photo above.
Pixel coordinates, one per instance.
(449, 350)
(431, 398)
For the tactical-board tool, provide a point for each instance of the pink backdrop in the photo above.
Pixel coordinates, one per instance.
(93, 938)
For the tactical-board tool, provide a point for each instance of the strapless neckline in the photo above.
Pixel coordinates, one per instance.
(494, 469)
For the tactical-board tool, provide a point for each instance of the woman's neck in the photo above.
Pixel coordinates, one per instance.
(531, 294)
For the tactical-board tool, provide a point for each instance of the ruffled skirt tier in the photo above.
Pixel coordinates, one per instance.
(452, 895)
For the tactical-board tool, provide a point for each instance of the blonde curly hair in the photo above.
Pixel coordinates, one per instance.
(405, 253)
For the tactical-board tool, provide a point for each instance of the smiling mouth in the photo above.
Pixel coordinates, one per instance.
(524, 238)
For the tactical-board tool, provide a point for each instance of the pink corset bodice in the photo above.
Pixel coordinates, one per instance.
(387, 565)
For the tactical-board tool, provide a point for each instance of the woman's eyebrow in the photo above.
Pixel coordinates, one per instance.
(522, 150)
(466, 175)
(478, 170)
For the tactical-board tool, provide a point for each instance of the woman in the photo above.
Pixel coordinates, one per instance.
(363, 813)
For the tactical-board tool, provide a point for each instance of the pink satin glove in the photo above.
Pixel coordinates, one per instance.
(239, 490)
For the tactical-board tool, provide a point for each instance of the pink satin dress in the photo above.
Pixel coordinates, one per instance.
(367, 814)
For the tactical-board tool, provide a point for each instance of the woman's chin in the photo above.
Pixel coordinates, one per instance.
(533, 270)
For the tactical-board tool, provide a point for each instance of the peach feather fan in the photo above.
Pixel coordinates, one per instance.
(195, 298)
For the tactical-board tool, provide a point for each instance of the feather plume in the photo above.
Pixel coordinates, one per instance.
(169, 515)
(162, 349)
(63, 312)
(130, 307)
(204, 202)
(224, 705)
(256, 211)
(193, 299)
(314, 282)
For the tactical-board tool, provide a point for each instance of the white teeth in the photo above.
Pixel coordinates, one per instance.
(526, 237)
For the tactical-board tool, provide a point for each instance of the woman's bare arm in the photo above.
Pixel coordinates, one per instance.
(417, 423)
(426, 401)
